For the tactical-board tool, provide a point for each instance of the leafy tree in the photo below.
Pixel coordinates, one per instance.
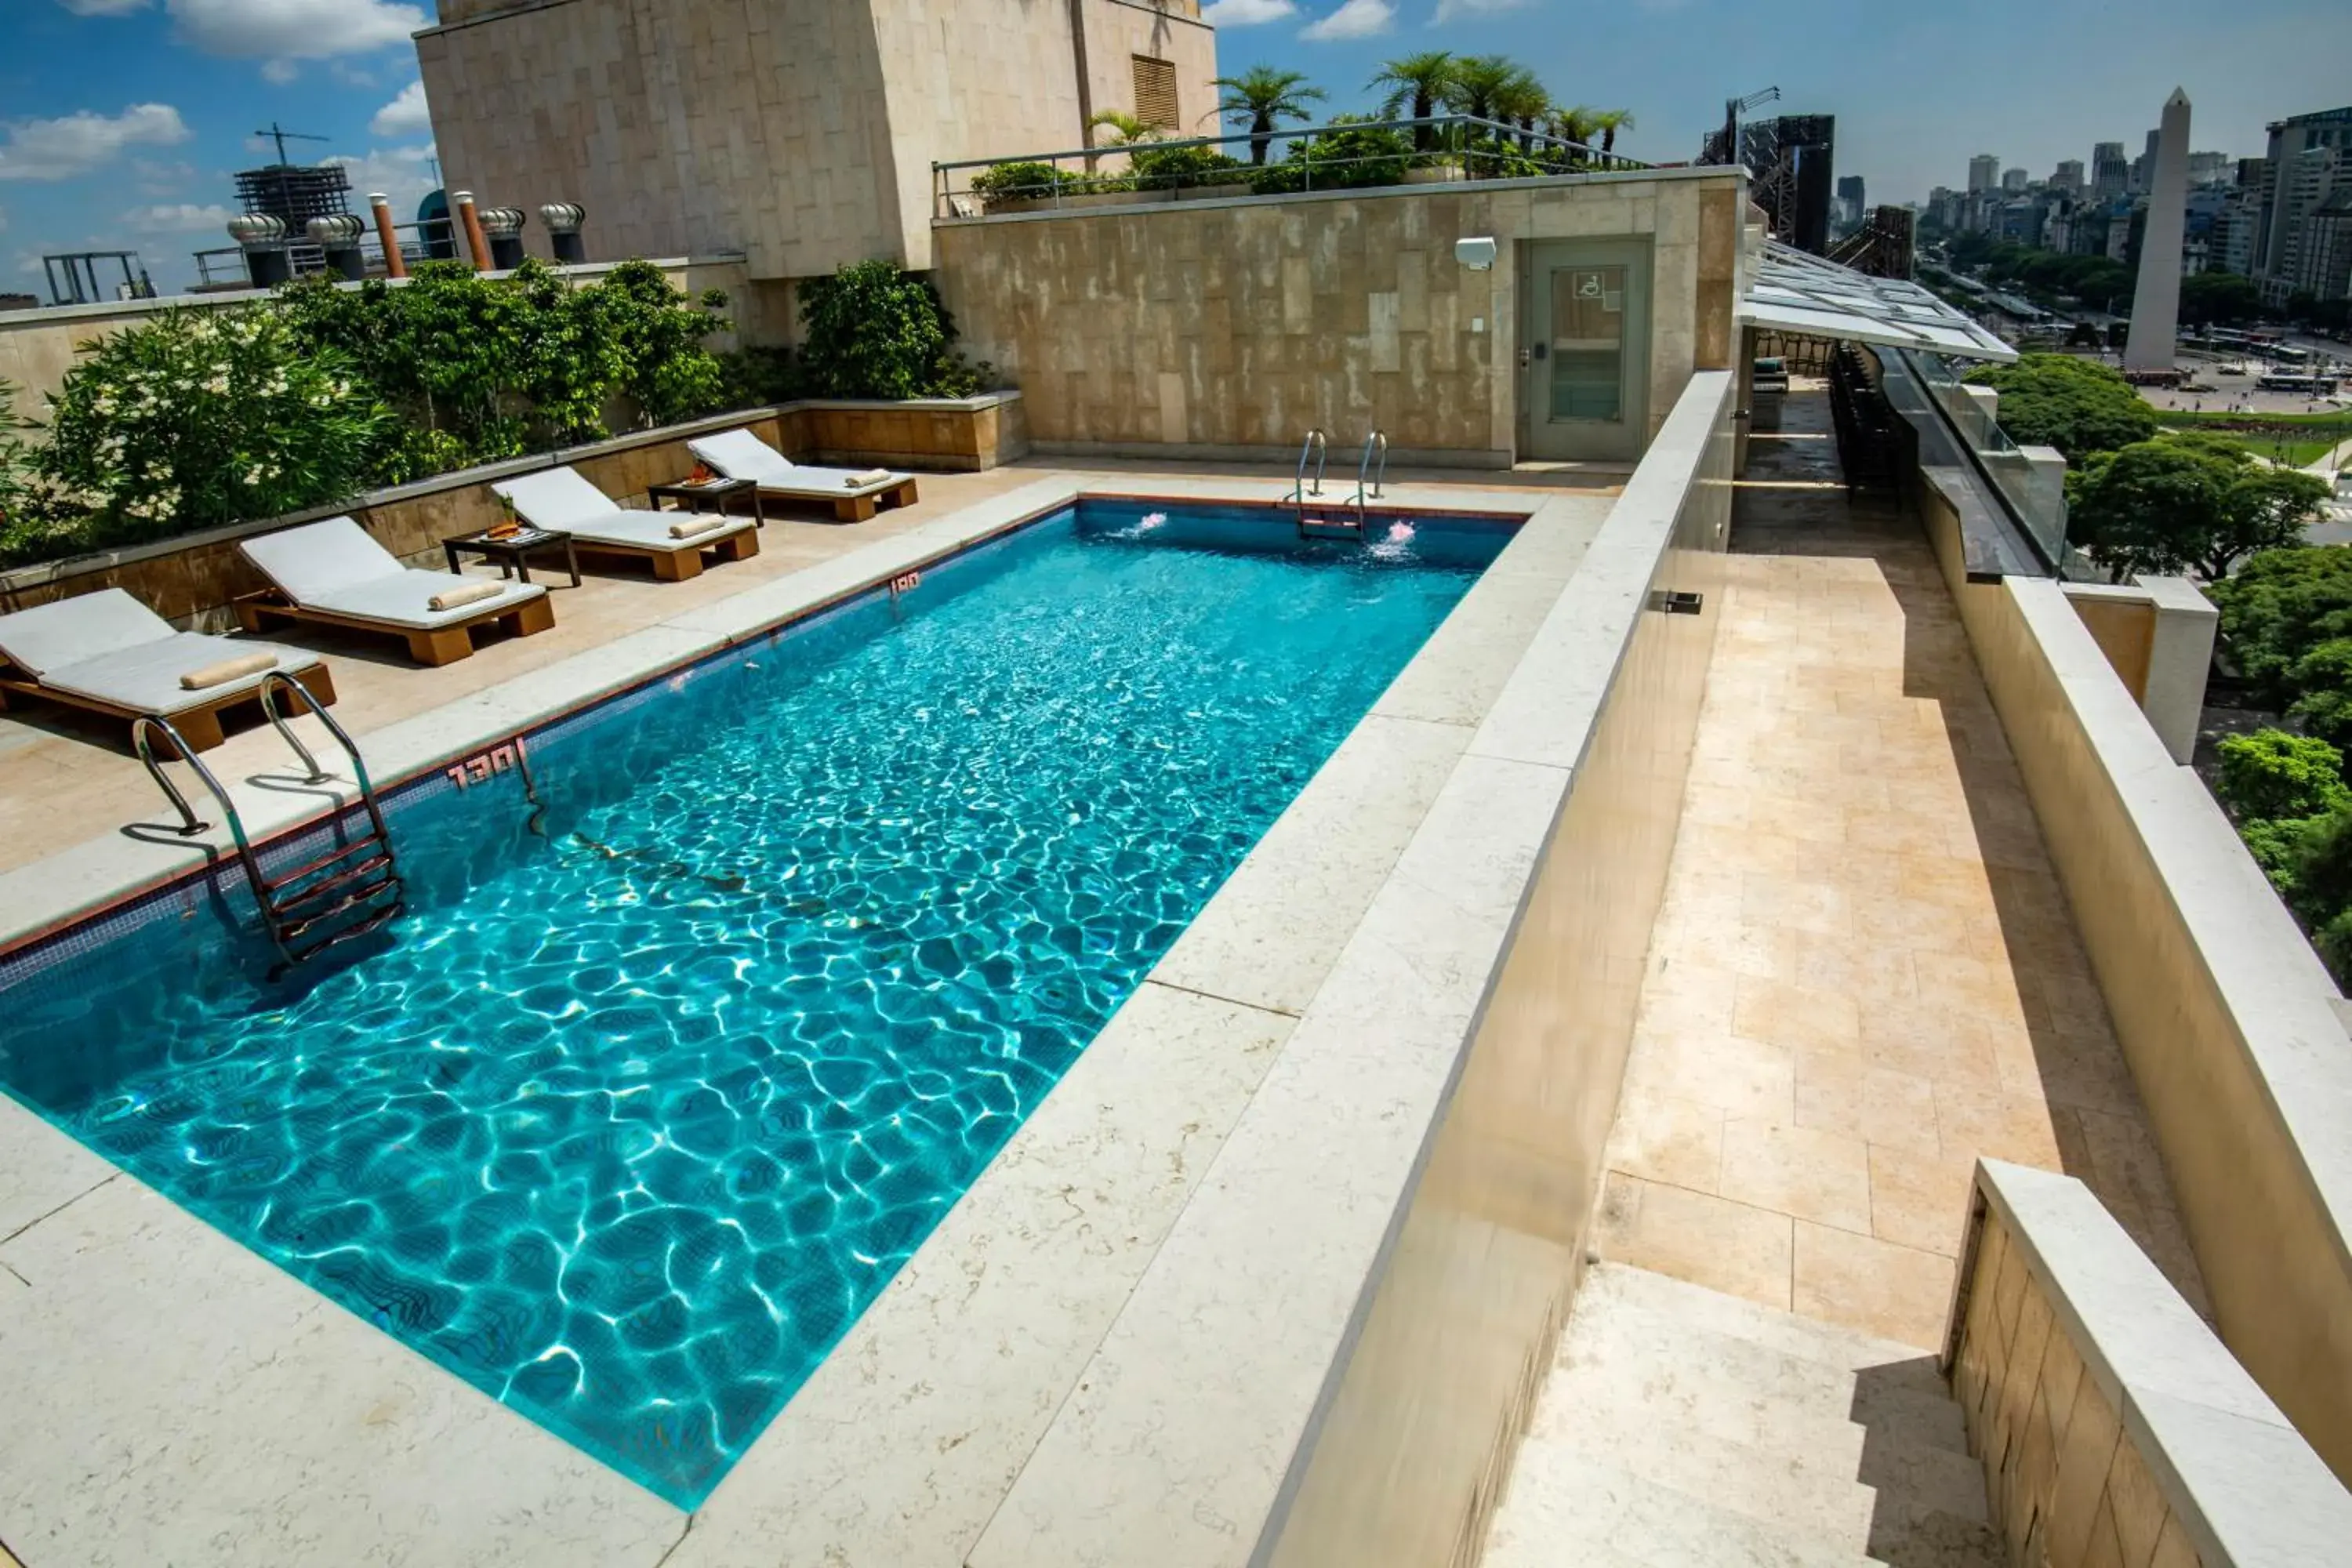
(872, 330)
(2187, 503)
(2281, 606)
(2223, 296)
(1419, 81)
(1266, 98)
(2076, 406)
(2322, 679)
(2272, 774)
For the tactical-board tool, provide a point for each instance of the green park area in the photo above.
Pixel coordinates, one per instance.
(2298, 440)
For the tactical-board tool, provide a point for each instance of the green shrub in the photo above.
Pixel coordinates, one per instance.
(872, 330)
(2278, 607)
(1346, 158)
(1018, 182)
(1179, 167)
(2077, 405)
(2272, 774)
(194, 419)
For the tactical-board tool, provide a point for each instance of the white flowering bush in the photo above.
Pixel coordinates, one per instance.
(198, 418)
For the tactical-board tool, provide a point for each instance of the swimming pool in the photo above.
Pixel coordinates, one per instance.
(667, 1071)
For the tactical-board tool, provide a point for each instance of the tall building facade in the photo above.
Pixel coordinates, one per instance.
(801, 135)
(2306, 163)
(2068, 177)
(1984, 173)
(2110, 174)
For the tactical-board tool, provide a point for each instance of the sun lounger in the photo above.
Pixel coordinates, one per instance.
(335, 575)
(110, 654)
(854, 494)
(563, 501)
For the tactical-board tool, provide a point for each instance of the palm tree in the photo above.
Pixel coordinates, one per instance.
(1609, 121)
(1125, 129)
(1421, 80)
(1573, 123)
(1480, 80)
(1522, 101)
(1265, 96)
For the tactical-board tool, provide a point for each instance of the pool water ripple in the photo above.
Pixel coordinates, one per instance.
(628, 1123)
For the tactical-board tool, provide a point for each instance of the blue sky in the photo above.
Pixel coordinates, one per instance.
(121, 120)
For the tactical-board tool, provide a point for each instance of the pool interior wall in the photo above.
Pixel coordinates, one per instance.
(838, 906)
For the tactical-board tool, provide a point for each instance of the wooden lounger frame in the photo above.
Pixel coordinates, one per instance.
(847, 508)
(200, 724)
(443, 644)
(676, 566)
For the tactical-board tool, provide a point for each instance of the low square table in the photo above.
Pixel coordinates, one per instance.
(719, 493)
(513, 553)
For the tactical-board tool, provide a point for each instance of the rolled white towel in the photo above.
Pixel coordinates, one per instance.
(697, 526)
(222, 671)
(870, 476)
(471, 594)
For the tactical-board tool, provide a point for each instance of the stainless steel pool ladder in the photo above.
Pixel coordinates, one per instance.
(302, 916)
(1378, 440)
(1318, 447)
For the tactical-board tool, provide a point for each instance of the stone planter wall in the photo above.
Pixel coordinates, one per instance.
(190, 580)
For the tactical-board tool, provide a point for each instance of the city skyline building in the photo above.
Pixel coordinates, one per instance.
(1984, 173)
(2110, 174)
(2068, 176)
(2304, 164)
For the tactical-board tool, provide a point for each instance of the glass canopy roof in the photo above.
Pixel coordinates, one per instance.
(1796, 291)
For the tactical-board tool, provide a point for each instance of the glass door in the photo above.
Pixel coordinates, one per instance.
(1585, 345)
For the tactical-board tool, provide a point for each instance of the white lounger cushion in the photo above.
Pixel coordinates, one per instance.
(558, 498)
(146, 676)
(336, 565)
(68, 631)
(650, 530)
(320, 557)
(828, 482)
(404, 599)
(740, 454)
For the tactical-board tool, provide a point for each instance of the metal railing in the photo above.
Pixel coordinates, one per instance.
(224, 267)
(1341, 156)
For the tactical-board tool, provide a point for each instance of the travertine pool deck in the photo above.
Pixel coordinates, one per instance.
(175, 1397)
(1864, 974)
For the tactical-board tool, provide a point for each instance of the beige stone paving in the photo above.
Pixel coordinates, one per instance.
(1864, 974)
(66, 777)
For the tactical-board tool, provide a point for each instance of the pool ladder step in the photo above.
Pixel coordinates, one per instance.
(1344, 525)
(313, 907)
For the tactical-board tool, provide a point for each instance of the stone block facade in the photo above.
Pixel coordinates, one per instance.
(2069, 1485)
(1238, 323)
(801, 133)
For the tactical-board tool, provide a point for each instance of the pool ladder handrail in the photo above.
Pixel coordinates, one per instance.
(1379, 476)
(285, 918)
(1317, 446)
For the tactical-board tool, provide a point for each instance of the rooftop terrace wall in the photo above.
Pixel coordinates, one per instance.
(1228, 326)
(2225, 1015)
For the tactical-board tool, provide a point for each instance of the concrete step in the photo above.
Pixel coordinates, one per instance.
(1679, 1424)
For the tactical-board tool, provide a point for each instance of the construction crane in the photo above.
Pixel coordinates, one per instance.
(1732, 109)
(280, 135)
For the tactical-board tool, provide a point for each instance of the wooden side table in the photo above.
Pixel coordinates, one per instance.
(513, 553)
(692, 495)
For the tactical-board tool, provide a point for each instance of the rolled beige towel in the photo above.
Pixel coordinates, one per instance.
(222, 671)
(471, 594)
(697, 526)
(870, 476)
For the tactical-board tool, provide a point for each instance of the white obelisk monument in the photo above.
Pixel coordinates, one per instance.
(2156, 302)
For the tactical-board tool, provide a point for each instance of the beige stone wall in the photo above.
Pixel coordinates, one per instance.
(1118, 30)
(802, 134)
(2224, 1014)
(1419, 1436)
(1242, 323)
(2068, 1485)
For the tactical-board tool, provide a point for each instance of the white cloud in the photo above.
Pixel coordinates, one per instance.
(403, 173)
(60, 149)
(103, 7)
(1245, 13)
(284, 31)
(1454, 10)
(1356, 19)
(405, 115)
(177, 217)
(279, 71)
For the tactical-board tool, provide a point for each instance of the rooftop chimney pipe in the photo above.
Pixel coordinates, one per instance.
(470, 223)
(263, 239)
(394, 264)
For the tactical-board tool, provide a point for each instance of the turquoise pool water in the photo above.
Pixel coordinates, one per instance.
(651, 1092)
